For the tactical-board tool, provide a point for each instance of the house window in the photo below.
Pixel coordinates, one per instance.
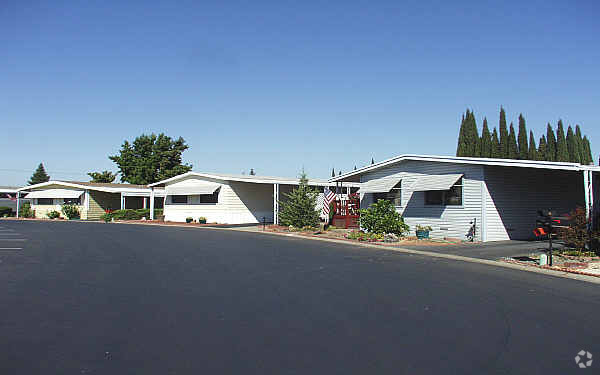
(452, 197)
(179, 199)
(210, 198)
(394, 195)
(45, 201)
(72, 200)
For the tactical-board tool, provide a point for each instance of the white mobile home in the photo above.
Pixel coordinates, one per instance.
(497, 198)
(227, 199)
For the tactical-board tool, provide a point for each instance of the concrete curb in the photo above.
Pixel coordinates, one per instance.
(543, 271)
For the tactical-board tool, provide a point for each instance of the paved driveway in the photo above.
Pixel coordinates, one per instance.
(85, 298)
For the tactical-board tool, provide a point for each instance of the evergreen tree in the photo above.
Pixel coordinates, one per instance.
(252, 173)
(523, 146)
(495, 147)
(461, 146)
(39, 176)
(580, 150)
(339, 174)
(473, 140)
(541, 154)
(532, 153)
(332, 172)
(486, 140)
(513, 149)
(372, 161)
(104, 176)
(572, 147)
(562, 152)
(587, 151)
(355, 167)
(550, 144)
(299, 208)
(504, 154)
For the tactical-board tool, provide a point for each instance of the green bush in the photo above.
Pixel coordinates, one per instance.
(362, 236)
(70, 211)
(25, 210)
(299, 209)
(382, 218)
(131, 214)
(107, 217)
(5, 211)
(53, 214)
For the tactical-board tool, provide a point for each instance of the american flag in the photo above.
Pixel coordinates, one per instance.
(11, 197)
(328, 197)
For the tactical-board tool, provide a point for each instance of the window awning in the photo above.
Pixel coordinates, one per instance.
(199, 189)
(381, 185)
(55, 193)
(435, 182)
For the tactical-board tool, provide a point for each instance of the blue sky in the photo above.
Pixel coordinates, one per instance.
(281, 85)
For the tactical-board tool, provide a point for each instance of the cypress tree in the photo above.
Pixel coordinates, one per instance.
(513, 149)
(541, 154)
(355, 167)
(562, 152)
(472, 136)
(523, 146)
(572, 147)
(532, 153)
(580, 150)
(372, 161)
(503, 135)
(495, 147)
(486, 140)
(461, 146)
(332, 172)
(39, 176)
(550, 144)
(587, 150)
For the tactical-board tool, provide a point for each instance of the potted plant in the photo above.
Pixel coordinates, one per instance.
(189, 219)
(202, 220)
(423, 231)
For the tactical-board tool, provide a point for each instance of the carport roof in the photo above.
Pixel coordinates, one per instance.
(352, 176)
(246, 178)
(98, 186)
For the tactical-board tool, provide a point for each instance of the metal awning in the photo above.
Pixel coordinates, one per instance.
(381, 185)
(55, 193)
(199, 189)
(435, 182)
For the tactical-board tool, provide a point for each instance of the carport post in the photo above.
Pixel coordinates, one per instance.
(122, 201)
(18, 202)
(587, 191)
(151, 203)
(275, 204)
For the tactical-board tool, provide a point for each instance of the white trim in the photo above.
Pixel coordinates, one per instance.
(466, 160)
(80, 186)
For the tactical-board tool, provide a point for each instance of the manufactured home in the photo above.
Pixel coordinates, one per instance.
(228, 199)
(483, 199)
(92, 198)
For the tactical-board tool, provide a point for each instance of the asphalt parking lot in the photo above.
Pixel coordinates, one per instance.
(94, 298)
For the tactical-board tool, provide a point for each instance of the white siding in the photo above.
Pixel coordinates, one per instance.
(446, 221)
(238, 203)
(513, 196)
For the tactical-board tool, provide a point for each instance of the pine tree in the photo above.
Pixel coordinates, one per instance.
(572, 147)
(541, 154)
(523, 146)
(587, 151)
(355, 167)
(332, 172)
(580, 150)
(495, 147)
(513, 149)
(550, 144)
(252, 173)
(372, 161)
(339, 174)
(39, 176)
(504, 154)
(461, 146)
(532, 153)
(562, 152)
(486, 140)
(299, 208)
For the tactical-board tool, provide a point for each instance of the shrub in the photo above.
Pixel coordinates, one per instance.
(299, 209)
(202, 220)
(107, 217)
(5, 211)
(53, 214)
(70, 211)
(382, 218)
(189, 219)
(578, 233)
(362, 236)
(25, 210)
